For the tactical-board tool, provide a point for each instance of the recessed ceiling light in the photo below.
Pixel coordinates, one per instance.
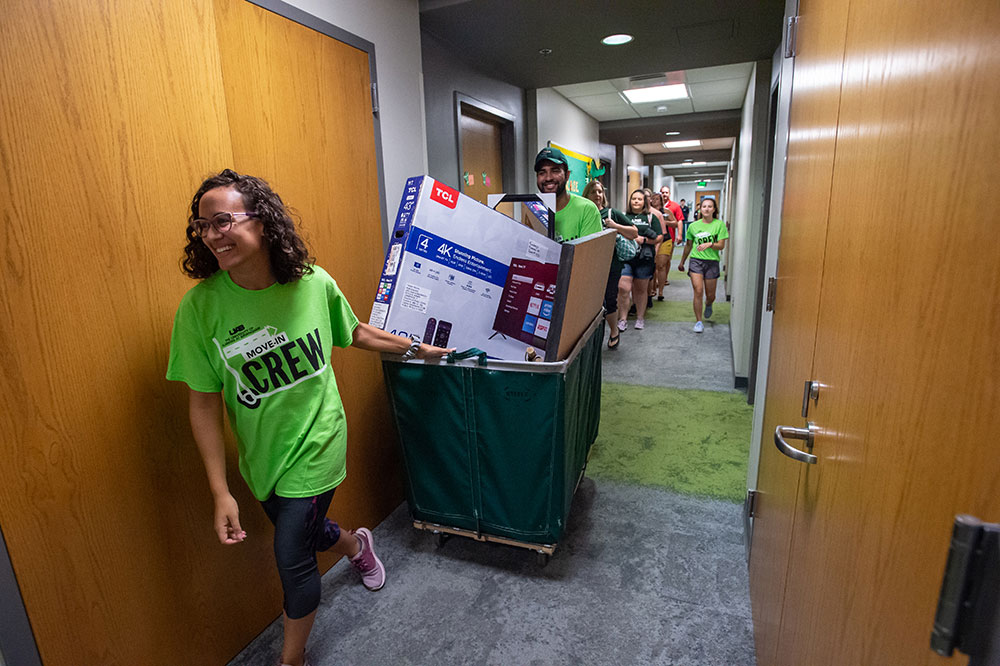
(657, 93)
(661, 108)
(545, 51)
(693, 143)
(617, 40)
(687, 160)
(672, 133)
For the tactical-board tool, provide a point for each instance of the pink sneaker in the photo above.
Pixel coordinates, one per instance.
(366, 561)
(622, 325)
(640, 324)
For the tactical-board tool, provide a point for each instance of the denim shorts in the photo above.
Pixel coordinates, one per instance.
(639, 269)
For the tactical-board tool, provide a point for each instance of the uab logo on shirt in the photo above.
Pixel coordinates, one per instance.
(269, 362)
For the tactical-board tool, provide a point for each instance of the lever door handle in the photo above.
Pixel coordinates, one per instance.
(806, 434)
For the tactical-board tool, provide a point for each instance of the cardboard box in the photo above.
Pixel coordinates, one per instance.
(460, 274)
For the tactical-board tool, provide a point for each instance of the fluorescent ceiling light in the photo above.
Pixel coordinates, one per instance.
(698, 163)
(672, 133)
(694, 143)
(657, 93)
(617, 40)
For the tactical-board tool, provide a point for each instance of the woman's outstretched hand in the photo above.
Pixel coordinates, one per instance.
(227, 520)
(430, 351)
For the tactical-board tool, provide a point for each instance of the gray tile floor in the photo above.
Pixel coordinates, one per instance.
(642, 575)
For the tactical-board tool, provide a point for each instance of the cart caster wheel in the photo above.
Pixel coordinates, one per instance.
(542, 558)
(442, 538)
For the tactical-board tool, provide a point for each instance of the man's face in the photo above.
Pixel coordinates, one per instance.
(551, 178)
(665, 193)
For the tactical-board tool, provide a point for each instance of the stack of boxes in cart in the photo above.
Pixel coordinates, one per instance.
(460, 274)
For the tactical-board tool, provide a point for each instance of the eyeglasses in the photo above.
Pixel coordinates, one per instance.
(221, 221)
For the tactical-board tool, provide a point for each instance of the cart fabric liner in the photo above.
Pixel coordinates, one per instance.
(497, 449)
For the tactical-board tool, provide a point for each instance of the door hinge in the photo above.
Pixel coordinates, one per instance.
(772, 290)
(791, 32)
(751, 503)
(374, 98)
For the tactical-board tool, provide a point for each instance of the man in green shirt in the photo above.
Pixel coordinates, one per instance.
(575, 216)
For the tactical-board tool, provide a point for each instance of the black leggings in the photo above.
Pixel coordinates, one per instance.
(300, 529)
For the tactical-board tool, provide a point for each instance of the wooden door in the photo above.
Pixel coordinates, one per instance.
(802, 249)
(711, 194)
(482, 160)
(903, 349)
(111, 114)
(313, 136)
(634, 183)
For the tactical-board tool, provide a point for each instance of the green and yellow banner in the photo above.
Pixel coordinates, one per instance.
(582, 168)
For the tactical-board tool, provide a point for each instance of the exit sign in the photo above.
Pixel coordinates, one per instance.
(702, 183)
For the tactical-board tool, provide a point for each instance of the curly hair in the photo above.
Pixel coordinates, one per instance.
(289, 256)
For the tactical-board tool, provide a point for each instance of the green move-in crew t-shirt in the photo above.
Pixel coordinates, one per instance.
(267, 351)
(579, 217)
(703, 232)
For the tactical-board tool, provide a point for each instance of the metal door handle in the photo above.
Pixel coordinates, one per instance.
(807, 434)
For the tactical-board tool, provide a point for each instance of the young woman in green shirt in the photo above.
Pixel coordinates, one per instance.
(705, 239)
(252, 339)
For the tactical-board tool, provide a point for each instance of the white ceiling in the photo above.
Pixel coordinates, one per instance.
(709, 89)
(706, 144)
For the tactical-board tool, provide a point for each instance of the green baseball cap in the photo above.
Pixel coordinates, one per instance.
(553, 155)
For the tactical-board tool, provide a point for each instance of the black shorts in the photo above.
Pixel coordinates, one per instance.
(708, 268)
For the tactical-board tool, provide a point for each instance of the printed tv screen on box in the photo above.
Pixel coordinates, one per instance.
(460, 274)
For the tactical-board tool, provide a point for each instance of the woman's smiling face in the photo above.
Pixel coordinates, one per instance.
(241, 246)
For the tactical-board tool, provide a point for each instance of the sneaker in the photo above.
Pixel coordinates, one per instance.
(708, 311)
(622, 325)
(699, 327)
(640, 324)
(367, 563)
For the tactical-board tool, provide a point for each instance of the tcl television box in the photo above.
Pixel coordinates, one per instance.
(460, 274)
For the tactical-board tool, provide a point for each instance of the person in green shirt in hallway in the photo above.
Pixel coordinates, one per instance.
(704, 240)
(253, 339)
(575, 215)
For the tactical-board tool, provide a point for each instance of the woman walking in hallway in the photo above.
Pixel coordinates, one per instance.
(252, 338)
(612, 219)
(637, 272)
(705, 238)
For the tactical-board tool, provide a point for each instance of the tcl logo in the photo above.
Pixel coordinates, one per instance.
(444, 195)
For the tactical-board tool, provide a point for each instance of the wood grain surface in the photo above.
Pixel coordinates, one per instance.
(112, 113)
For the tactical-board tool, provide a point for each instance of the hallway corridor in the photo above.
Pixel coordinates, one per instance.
(651, 569)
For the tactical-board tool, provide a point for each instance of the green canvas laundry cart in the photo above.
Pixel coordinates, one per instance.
(494, 450)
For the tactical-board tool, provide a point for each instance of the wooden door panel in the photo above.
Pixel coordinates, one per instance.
(108, 111)
(903, 344)
(300, 118)
(813, 112)
(481, 154)
(111, 113)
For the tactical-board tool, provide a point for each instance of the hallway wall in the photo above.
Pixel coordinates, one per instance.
(746, 217)
(444, 75)
(560, 121)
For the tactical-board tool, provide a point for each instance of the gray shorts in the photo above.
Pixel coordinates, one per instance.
(709, 268)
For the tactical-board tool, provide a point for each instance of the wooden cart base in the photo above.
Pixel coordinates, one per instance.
(544, 550)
